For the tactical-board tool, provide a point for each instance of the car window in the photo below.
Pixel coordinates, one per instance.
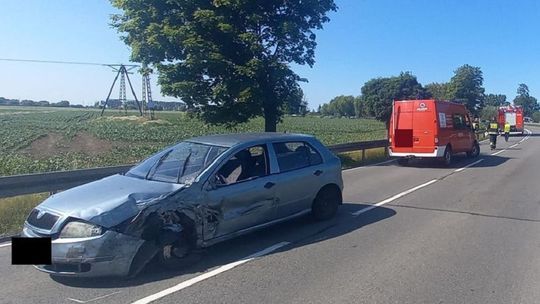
(314, 156)
(295, 155)
(244, 165)
(179, 164)
(459, 121)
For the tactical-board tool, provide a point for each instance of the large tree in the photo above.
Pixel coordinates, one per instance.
(340, 106)
(495, 100)
(379, 93)
(227, 59)
(437, 90)
(466, 86)
(524, 99)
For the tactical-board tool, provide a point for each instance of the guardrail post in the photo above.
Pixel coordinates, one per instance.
(363, 154)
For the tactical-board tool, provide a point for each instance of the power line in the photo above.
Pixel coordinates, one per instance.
(65, 62)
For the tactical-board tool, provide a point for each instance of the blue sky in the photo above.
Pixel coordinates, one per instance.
(364, 39)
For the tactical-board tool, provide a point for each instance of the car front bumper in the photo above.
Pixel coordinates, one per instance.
(109, 254)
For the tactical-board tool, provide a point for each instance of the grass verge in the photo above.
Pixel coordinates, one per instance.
(14, 210)
(354, 158)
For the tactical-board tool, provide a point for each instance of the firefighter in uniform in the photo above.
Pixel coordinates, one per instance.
(506, 130)
(493, 131)
(476, 123)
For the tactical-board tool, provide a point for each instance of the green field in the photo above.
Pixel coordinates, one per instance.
(40, 139)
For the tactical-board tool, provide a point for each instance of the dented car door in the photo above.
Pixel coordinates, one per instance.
(243, 192)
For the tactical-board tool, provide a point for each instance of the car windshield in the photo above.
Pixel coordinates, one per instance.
(178, 164)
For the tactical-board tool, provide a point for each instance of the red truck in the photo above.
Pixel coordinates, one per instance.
(512, 115)
(430, 129)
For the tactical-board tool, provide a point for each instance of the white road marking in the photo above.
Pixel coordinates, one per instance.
(469, 165)
(207, 275)
(498, 152)
(5, 245)
(95, 299)
(402, 194)
(393, 198)
(512, 146)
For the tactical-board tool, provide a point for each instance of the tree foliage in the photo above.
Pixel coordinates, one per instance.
(379, 93)
(227, 59)
(359, 107)
(438, 91)
(528, 102)
(296, 107)
(466, 86)
(495, 100)
(488, 112)
(340, 106)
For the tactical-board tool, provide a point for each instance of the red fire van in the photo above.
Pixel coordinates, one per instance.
(430, 129)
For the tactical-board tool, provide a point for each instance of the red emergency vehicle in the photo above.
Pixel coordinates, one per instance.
(430, 129)
(512, 115)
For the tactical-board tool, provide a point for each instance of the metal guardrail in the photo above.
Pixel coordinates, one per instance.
(53, 181)
(61, 180)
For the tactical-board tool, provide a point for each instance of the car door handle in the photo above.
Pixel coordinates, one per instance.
(317, 172)
(269, 185)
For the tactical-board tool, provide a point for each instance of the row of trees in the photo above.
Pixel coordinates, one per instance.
(42, 103)
(113, 104)
(466, 86)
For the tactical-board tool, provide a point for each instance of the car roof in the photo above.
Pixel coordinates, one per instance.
(229, 140)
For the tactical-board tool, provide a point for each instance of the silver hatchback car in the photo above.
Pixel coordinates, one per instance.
(191, 195)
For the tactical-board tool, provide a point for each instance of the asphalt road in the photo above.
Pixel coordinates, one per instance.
(438, 235)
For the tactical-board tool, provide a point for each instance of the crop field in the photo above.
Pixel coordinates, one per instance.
(39, 139)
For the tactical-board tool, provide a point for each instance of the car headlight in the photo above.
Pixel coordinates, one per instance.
(79, 229)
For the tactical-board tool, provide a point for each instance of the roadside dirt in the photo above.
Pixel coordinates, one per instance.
(54, 143)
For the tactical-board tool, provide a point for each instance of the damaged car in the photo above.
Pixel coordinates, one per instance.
(189, 196)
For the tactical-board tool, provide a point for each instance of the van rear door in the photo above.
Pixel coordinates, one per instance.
(403, 125)
(510, 117)
(424, 126)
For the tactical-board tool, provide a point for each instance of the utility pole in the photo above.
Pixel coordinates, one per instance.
(123, 72)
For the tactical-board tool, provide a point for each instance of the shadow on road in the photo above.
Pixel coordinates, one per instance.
(459, 161)
(300, 232)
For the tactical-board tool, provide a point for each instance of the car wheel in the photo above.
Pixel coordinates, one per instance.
(326, 204)
(447, 158)
(403, 161)
(177, 255)
(475, 151)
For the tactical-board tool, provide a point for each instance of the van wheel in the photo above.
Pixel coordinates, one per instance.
(475, 151)
(447, 158)
(325, 204)
(403, 161)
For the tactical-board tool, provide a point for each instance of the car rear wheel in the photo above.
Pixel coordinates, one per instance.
(475, 151)
(326, 204)
(447, 158)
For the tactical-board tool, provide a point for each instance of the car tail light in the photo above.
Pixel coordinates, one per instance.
(390, 139)
(436, 140)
